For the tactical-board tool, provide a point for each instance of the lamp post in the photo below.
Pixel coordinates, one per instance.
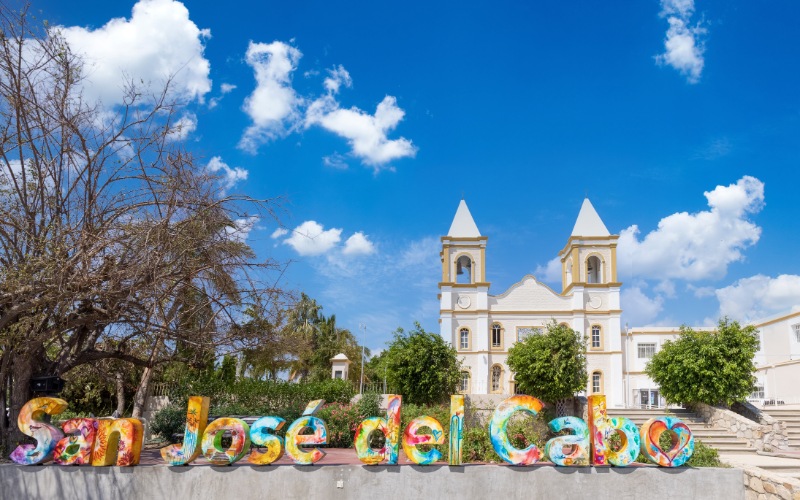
(363, 346)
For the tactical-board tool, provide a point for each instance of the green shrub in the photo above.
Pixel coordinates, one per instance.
(707, 367)
(524, 431)
(248, 397)
(704, 456)
(342, 421)
(168, 421)
(370, 404)
(477, 446)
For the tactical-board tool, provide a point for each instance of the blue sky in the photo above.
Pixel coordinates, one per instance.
(680, 121)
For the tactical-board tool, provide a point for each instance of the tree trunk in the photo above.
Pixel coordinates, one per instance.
(22, 371)
(120, 382)
(5, 380)
(140, 399)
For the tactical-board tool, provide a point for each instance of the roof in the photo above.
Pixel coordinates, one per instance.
(463, 225)
(589, 223)
(340, 357)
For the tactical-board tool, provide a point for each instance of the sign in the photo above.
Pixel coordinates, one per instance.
(102, 442)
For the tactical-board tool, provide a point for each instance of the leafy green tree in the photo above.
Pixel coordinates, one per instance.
(707, 367)
(421, 366)
(550, 366)
(227, 369)
(317, 340)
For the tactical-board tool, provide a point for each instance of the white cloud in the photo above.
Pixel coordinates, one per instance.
(550, 272)
(383, 304)
(700, 291)
(336, 161)
(183, 127)
(273, 105)
(665, 288)
(337, 77)
(228, 176)
(358, 244)
(311, 238)
(10, 171)
(683, 45)
(279, 233)
(758, 296)
(224, 89)
(683, 8)
(421, 253)
(366, 134)
(158, 43)
(639, 309)
(241, 229)
(715, 149)
(696, 246)
(276, 110)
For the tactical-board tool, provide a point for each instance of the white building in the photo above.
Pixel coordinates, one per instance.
(778, 359)
(483, 327)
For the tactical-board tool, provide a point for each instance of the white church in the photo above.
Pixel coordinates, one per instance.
(483, 327)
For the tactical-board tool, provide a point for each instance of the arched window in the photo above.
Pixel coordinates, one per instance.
(597, 337)
(594, 270)
(464, 387)
(497, 378)
(597, 382)
(464, 270)
(463, 339)
(497, 336)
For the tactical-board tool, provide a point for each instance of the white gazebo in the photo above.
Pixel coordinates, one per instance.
(340, 366)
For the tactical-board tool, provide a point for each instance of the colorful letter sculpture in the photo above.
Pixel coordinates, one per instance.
(261, 434)
(212, 441)
(104, 442)
(499, 435)
(578, 442)
(295, 441)
(601, 427)
(75, 448)
(118, 442)
(412, 438)
(196, 421)
(31, 424)
(456, 429)
(597, 428)
(389, 426)
(682, 447)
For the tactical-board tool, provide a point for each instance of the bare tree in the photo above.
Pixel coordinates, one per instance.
(114, 243)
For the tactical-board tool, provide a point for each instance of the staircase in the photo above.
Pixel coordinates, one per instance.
(720, 439)
(792, 418)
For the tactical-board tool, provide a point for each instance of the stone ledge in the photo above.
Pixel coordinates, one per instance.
(365, 482)
(761, 484)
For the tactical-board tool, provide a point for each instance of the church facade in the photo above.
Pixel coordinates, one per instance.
(482, 327)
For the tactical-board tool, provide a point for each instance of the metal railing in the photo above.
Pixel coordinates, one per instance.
(379, 387)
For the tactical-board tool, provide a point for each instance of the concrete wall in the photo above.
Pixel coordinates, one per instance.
(357, 482)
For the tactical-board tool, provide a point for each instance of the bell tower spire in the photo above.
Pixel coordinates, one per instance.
(464, 292)
(590, 256)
